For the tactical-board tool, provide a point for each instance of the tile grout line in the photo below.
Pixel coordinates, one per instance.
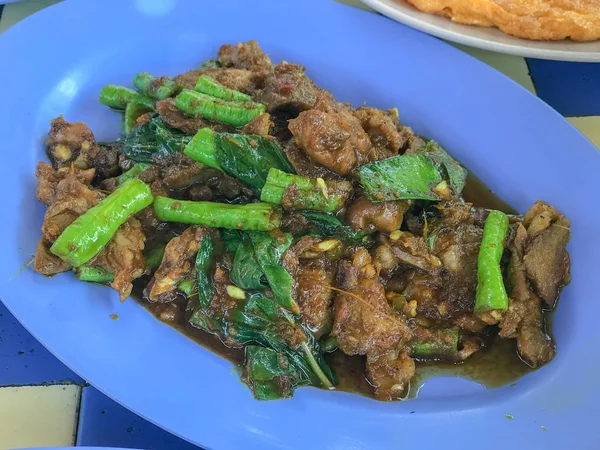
(531, 77)
(78, 416)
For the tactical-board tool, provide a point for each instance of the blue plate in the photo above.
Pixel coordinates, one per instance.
(56, 61)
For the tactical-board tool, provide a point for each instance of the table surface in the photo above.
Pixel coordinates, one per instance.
(43, 403)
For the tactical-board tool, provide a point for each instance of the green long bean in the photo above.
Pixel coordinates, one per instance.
(132, 173)
(133, 111)
(202, 148)
(295, 192)
(186, 286)
(90, 232)
(94, 275)
(491, 294)
(209, 86)
(119, 96)
(157, 88)
(442, 343)
(253, 216)
(231, 112)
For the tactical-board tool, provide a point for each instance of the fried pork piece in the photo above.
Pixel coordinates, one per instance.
(260, 125)
(75, 143)
(304, 166)
(539, 266)
(335, 140)
(47, 263)
(440, 275)
(66, 140)
(177, 263)
(244, 55)
(314, 274)
(546, 258)
(123, 257)
(48, 178)
(103, 158)
(390, 374)
(288, 87)
(383, 130)
(69, 199)
(364, 323)
(529, 19)
(364, 215)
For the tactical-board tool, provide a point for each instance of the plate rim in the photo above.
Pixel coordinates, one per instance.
(385, 411)
(396, 11)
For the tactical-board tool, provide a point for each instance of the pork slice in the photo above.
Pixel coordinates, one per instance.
(334, 140)
(244, 55)
(546, 258)
(288, 87)
(314, 296)
(66, 140)
(48, 178)
(364, 215)
(123, 257)
(364, 322)
(177, 263)
(524, 320)
(390, 374)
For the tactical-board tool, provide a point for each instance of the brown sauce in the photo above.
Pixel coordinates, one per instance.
(495, 365)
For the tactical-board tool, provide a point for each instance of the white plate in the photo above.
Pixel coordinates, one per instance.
(486, 38)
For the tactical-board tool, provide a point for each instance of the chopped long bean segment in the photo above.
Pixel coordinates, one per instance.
(119, 96)
(186, 286)
(202, 148)
(329, 344)
(253, 216)
(90, 232)
(406, 177)
(133, 111)
(158, 88)
(132, 173)
(296, 192)
(209, 86)
(491, 297)
(231, 112)
(94, 275)
(436, 343)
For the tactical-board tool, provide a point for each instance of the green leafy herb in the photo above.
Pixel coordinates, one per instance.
(246, 273)
(262, 321)
(249, 158)
(405, 177)
(269, 373)
(152, 140)
(256, 265)
(448, 166)
(231, 239)
(328, 225)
